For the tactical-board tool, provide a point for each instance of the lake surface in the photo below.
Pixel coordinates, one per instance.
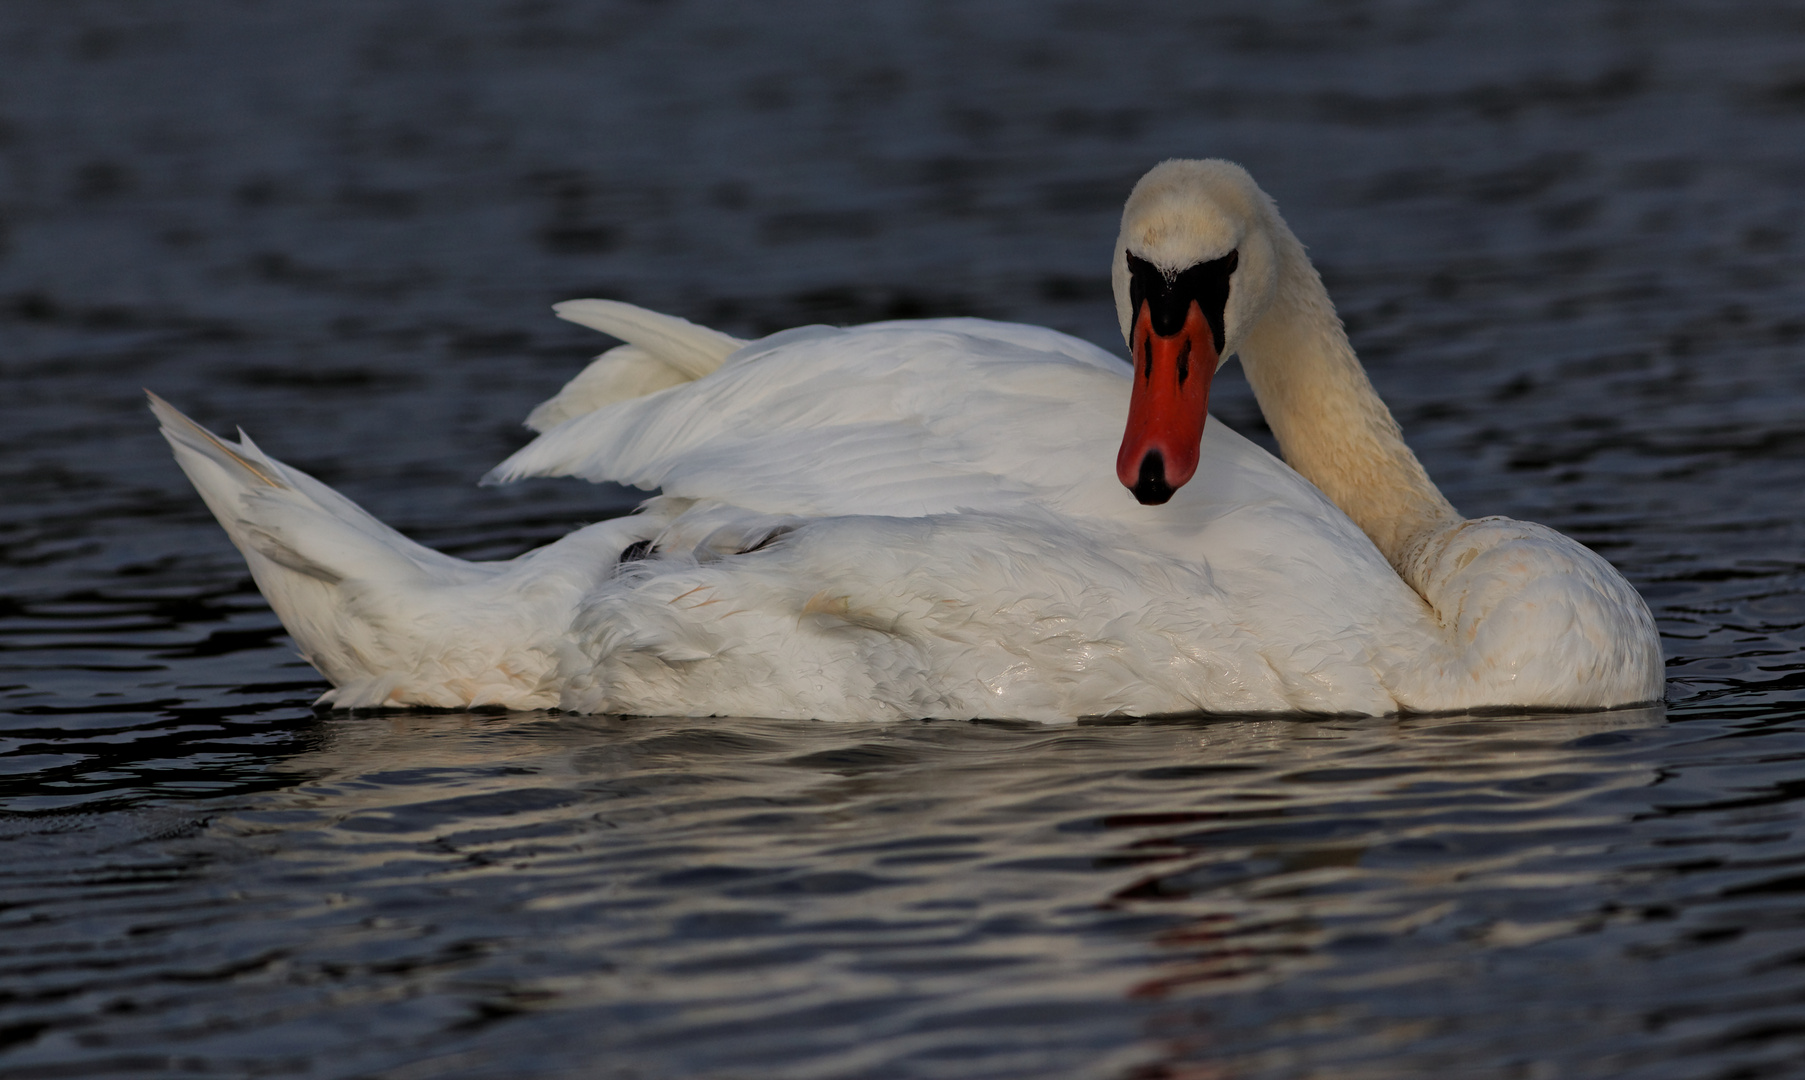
(1566, 238)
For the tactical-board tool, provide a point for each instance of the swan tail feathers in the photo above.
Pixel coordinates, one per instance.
(661, 351)
(286, 516)
(356, 596)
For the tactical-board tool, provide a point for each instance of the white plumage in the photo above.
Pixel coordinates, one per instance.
(920, 519)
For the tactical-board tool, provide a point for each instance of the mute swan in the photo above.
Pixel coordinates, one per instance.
(919, 519)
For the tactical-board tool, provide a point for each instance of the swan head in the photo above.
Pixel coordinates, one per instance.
(1195, 267)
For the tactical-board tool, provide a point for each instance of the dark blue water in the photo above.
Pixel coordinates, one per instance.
(1566, 237)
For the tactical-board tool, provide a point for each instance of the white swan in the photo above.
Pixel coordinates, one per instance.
(919, 519)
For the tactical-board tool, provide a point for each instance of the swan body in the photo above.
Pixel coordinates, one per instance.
(921, 519)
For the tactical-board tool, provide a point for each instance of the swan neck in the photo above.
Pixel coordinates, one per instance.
(1330, 423)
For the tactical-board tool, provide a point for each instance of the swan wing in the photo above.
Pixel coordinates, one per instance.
(892, 418)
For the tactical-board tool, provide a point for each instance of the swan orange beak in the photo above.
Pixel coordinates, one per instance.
(1170, 403)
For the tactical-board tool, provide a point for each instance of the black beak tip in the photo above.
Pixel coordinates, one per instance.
(1151, 487)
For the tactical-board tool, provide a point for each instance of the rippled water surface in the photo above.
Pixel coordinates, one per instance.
(1566, 238)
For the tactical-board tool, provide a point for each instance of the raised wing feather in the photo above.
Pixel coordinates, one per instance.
(692, 350)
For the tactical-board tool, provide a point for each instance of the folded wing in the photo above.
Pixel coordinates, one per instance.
(904, 419)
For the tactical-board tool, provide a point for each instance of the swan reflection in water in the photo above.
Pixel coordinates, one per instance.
(1155, 884)
(1389, 877)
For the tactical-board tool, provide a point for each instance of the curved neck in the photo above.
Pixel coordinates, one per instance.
(1330, 423)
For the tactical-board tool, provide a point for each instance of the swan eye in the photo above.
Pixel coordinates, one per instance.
(1169, 296)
